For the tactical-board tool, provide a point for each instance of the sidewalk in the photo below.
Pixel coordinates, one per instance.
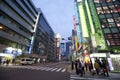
(112, 75)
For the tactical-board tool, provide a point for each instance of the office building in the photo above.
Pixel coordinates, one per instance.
(24, 29)
(18, 20)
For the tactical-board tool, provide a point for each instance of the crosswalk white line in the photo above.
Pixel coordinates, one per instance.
(73, 77)
(63, 70)
(48, 69)
(41, 68)
(58, 70)
(54, 69)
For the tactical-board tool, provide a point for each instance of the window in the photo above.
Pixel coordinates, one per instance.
(108, 15)
(96, 1)
(114, 30)
(106, 30)
(117, 7)
(112, 9)
(108, 0)
(101, 16)
(112, 24)
(115, 15)
(99, 10)
(106, 10)
(110, 20)
(117, 20)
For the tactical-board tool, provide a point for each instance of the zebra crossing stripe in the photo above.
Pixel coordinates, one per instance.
(84, 78)
(63, 70)
(48, 69)
(58, 70)
(40, 68)
(54, 69)
(43, 68)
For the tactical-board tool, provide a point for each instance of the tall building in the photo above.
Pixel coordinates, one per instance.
(24, 29)
(108, 12)
(18, 20)
(57, 46)
(99, 21)
(68, 50)
(44, 39)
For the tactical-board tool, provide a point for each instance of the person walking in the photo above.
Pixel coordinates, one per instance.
(83, 67)
(96, 66)
(7, 62)
(78, 67)
(104, 68)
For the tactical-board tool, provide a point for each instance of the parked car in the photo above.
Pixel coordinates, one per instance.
(24, 61)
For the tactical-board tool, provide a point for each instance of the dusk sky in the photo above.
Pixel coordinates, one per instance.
(59, 14)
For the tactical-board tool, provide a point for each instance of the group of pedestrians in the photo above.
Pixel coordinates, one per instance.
(98, 67)
(4, 61)
(101, 67)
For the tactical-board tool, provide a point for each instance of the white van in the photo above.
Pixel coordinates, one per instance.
(26, 61)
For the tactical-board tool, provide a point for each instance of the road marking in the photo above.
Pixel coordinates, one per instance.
(40, 68)
(43, 68)
(54, 69)
(85, 78)
(63, 70)
(48, 69)
(58, 70)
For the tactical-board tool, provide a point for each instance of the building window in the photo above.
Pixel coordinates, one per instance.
(106, 30)
(114, 30)
(112, 9)
(99, 10)
(108, 0)
(115, 15)
(108, 15)
(106, 10)
(117, 20)
(117, 7)
(101, 16)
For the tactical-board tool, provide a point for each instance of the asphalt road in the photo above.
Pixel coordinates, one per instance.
(55, 71)
(30, 74)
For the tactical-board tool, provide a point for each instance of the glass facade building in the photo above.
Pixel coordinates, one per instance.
(44, 39)
(17, 23)
(109, 16)
(24, 29)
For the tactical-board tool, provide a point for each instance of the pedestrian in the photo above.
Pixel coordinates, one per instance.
(104, 68)
(7, 62)
(72, 65)
(78, 67)
(96, 66)
(90, 65)
(83, 66)
(44, 60)
(13, 61)
(0, 60)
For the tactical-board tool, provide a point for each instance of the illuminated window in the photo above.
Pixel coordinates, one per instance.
(106, 10)
(112, 9)
(108, 0)
(117, 20)
(110, 20)
(99, 10)
(117, 7)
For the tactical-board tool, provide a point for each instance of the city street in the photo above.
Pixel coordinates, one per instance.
(55, 71)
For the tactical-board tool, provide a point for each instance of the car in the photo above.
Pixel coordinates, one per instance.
(25, 61)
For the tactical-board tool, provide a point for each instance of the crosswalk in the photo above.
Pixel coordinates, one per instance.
(77, 77)
(52, 69)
